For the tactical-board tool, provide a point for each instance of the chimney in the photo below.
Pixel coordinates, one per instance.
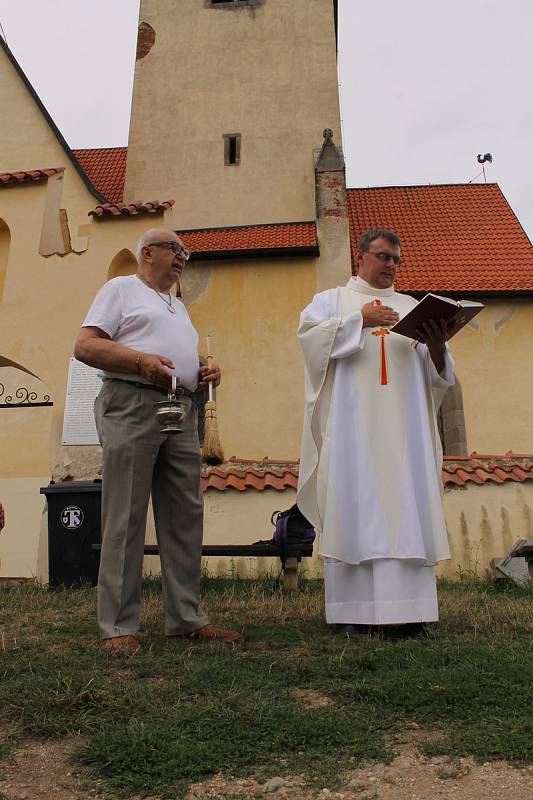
(334, 265)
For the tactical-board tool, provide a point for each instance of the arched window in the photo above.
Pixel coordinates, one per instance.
(5, 241)
(451, 420)
(124, 263)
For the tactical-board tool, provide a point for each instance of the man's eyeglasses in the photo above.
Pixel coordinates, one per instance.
(176, 248)
(385, 257)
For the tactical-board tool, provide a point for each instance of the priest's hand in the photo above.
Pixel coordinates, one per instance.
(373, 316)
(434, 334)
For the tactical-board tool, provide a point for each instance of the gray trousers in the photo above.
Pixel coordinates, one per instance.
(138, 460)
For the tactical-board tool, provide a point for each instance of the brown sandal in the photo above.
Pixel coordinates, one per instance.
(122, 645)
(209, 632)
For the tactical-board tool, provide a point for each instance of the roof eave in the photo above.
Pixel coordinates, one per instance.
(179, 231)
(253, 253)
(458, 294)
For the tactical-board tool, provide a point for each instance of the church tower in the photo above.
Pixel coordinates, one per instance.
(230, 101)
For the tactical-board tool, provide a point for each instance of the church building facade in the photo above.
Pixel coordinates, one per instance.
(235, 143)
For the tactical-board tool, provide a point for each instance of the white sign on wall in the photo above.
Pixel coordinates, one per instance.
(82, 388)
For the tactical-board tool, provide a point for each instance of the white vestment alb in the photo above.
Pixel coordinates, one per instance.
(370, 469)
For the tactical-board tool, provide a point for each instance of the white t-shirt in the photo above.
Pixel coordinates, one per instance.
(133, 314)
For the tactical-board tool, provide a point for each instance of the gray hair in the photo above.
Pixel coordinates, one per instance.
(377, 233)
(145, 240)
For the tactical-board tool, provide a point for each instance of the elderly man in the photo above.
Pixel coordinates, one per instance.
(139, 335)
(370, 473)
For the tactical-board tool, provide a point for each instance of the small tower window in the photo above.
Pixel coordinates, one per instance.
(229, 2)
(232, 149)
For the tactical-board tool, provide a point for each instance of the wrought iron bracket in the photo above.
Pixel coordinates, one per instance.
(22, 398)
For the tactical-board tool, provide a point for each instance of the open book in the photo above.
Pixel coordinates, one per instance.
(456, 313)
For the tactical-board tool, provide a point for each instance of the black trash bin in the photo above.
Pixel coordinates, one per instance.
(73, 528)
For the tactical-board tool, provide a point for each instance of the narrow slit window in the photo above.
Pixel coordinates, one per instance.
(232, 149)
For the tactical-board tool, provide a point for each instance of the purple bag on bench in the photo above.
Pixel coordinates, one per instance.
(291, 529)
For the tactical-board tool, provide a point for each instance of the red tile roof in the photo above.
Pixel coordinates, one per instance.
(483, 469)
(106, 169)
(242, 474)
(132, 209)
(7, 178)
(455, 237)
(298, 237)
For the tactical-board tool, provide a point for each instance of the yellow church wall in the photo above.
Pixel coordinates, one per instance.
(276, 85)
(494, 363)
(27, 132)
(21, 538)
(5, 242)
(483, 523)
(251, 310)
(42, 306)
(28, 143)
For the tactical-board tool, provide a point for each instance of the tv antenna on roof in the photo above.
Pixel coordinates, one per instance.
(482, 159)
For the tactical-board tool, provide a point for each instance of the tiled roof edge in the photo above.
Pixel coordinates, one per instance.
(513, 213)
(57, 133)
(246, 227)
(257, 252)
(418, 186)
(259, 475)
(114, 210)
(25, 176)
(494, 184)
(481, 293)
(229, 250)
(457, 471)
(510, 455)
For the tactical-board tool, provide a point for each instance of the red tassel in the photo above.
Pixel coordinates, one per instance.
(384, 376)
(382, 332)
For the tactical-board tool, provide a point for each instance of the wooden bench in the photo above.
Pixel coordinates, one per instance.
(74, 551)
(293, 555)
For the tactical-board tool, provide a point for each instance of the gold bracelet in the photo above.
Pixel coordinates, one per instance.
(138, 363)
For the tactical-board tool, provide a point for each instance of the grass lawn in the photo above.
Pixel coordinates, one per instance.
(292, 697)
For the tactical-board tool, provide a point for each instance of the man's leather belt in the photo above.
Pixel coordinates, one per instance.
(140, 385)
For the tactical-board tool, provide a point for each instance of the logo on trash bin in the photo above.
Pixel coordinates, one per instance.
(71, 517)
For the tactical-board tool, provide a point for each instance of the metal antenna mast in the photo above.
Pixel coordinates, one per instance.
(481, 159)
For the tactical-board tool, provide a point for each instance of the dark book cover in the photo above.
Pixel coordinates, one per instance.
(457, 314)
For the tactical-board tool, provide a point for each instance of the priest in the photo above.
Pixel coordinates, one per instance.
(371, 458)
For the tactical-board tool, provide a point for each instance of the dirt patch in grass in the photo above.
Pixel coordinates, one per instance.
(159, 680)
(39, 770)
(413, 776)
(123, 674)
(312, 699)
(409, 776)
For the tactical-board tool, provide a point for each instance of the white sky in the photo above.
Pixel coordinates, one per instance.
(426, 85)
